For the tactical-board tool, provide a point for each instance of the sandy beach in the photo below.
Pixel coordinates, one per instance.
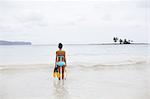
(118, 82)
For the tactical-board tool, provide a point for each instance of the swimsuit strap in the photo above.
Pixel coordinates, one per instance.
(61, 57)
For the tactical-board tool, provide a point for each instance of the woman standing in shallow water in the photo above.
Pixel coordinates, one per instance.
(60, 61)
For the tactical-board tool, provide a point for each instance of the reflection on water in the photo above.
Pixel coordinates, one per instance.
(60, 91)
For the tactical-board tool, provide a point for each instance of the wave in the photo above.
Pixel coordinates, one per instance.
(112, 64)
(75, 64)
(24, 66)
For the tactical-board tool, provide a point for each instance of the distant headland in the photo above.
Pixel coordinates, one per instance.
(3, 42)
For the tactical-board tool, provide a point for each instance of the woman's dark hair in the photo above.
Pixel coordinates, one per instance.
(60, 45)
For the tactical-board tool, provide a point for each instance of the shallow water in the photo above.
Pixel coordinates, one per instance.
(128, 82)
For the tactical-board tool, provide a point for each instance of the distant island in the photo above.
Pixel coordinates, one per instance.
(3, 42)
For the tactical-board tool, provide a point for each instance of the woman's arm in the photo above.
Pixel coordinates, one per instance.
(65, 59)
(56, 60)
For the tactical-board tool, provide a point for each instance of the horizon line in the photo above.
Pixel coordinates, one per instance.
(97, 44)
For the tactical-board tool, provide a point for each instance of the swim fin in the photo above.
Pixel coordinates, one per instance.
(55, 73)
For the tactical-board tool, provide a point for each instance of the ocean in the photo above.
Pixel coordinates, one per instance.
(76, 54)
(92, 72)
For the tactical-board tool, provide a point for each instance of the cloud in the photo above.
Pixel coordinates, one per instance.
(99, 21)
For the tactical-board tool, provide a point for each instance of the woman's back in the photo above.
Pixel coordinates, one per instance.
(60, 55)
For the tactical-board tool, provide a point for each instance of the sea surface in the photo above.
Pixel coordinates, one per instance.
(92, 72)
(86, 55)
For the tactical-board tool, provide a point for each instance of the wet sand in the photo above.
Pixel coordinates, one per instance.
(126, 82)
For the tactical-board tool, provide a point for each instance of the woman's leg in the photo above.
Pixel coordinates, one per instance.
(59, 72)
(63, 69)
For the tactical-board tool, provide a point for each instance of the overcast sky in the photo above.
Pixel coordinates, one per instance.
(53, 21)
